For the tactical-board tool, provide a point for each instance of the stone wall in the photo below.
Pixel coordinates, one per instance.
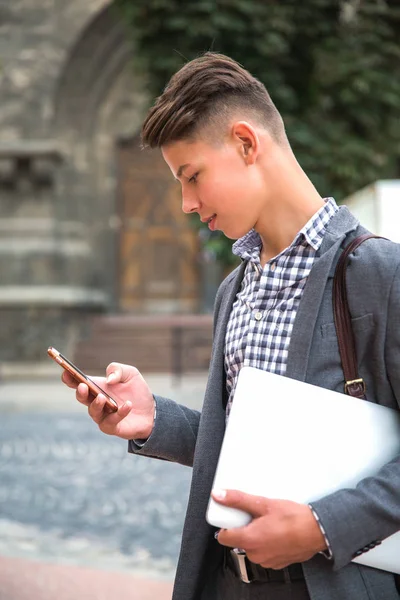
(36, 37)
(67, 94)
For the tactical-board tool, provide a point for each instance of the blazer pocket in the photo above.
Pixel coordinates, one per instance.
(365, 322)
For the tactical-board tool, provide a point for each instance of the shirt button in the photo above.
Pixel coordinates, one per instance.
(258, 316)
(273, 265)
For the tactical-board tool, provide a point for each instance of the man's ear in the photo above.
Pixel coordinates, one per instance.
(247, 141)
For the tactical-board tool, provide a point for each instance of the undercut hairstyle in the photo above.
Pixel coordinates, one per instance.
(203, 96)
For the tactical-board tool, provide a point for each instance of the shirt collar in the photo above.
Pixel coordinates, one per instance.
(248, 247)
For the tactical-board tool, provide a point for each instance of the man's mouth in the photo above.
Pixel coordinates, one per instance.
(211, 222)
(208, 219)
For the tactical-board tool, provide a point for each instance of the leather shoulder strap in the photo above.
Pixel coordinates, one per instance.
(354, 385)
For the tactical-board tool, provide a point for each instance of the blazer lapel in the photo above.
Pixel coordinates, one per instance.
(216, 386)
(303, 329)
(212, 424)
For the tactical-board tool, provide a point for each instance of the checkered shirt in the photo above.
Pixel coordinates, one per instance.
(263, 314)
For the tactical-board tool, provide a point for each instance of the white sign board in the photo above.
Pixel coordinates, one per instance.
(377, 207)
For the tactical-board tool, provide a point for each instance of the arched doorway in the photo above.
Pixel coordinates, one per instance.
(158, 246)
(108, 186)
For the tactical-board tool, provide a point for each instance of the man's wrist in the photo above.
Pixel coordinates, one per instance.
(325, 548)
(142, 440)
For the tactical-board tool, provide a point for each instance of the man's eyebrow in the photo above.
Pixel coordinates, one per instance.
(180, 170)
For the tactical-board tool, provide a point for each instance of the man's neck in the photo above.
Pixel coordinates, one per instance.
(282, 228)
(295, 200)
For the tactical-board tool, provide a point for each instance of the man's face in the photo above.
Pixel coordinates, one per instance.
(216, 183)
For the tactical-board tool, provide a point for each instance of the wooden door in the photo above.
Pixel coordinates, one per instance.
(158, 254)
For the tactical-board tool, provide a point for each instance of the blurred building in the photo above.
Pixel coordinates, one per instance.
(377, 206)
(90, 224)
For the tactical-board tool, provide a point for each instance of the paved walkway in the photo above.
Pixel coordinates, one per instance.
(27, 580)
(71, 527)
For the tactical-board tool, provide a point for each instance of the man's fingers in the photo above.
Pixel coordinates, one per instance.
(69, 380)
(82, 394)
(232, 538)
(116, 417)
(101, 416)
(256, 506)
(113, 373)
(96, 408)
(118, 373)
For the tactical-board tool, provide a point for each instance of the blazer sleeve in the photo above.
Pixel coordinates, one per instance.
(174, 434)
(355, 520)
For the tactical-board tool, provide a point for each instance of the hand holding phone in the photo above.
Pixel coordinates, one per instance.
(132, 417)
(111, 405)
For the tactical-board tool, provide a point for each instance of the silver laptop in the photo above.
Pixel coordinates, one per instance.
(303, 442)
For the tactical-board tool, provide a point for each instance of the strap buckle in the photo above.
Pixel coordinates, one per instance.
(239, 560)
(358, 382)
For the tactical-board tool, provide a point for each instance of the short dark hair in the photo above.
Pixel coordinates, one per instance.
(204, 92)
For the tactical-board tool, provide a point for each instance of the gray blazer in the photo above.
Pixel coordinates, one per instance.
(353, 519)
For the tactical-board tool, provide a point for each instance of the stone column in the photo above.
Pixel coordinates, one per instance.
(45, 291)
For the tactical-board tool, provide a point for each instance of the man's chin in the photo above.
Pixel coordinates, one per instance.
(235, 234)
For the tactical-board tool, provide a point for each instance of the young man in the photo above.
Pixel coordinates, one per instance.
(225, 142)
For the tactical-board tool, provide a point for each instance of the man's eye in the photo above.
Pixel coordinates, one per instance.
(193, 178)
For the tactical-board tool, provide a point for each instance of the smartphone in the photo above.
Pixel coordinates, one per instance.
(94, 389)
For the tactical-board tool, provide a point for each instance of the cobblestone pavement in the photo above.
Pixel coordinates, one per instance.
(71, 495)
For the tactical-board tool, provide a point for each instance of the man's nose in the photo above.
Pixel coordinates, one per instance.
(190, 202)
